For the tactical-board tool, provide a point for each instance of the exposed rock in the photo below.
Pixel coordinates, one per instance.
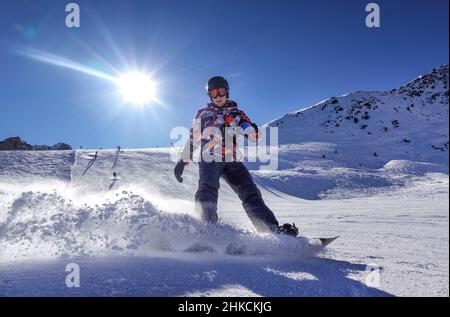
(41, 147)
(14, 144)
(61, 147)
(17, 144)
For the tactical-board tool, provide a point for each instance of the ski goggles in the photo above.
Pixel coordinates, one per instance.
(218, 92)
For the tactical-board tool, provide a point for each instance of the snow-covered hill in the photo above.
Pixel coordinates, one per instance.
(373, 128)
(351, 145)
(137, 234)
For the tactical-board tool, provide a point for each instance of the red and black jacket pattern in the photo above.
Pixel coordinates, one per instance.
(228, 116)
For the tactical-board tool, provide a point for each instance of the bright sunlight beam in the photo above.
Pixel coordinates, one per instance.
(136, 88)
(60, 61)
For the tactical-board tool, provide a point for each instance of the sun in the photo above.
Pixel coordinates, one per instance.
(136, 88)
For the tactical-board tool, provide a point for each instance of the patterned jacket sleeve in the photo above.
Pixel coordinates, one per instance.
(246, 124)
(194, 135)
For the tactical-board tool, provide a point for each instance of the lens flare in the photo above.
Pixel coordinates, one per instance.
(137, 88)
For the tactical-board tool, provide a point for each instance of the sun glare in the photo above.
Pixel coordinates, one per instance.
(136, 88)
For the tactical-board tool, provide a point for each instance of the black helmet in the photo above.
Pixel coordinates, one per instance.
(217, 82)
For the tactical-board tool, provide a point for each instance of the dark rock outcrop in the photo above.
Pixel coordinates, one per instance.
(17, 144)
(14, 144)
(61, 147)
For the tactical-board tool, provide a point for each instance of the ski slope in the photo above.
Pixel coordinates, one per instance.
(140, 237)
(367, 166)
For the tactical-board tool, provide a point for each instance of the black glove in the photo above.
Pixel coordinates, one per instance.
(178, 171)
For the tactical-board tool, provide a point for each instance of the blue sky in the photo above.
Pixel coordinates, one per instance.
(279, 56)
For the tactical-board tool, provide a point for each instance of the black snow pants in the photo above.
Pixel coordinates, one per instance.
(240, 180)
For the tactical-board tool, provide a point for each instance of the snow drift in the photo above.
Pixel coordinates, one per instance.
(54, 222)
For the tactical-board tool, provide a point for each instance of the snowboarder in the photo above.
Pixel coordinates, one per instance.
(222, 112)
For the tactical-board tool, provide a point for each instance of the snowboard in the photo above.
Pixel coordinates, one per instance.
(232, 249)
(326, 241)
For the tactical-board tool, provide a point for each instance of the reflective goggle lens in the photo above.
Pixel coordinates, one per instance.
(221, 92)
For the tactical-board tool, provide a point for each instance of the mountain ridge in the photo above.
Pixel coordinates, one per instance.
(409, 122)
